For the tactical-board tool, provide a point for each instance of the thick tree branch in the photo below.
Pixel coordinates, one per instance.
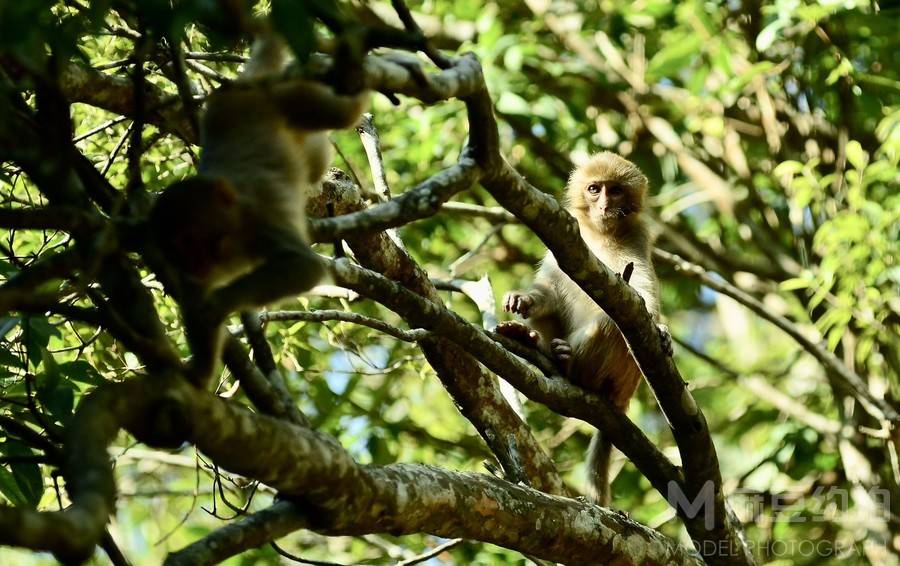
(72, 534)
(400, 498)
(350, 499)
(474, 391)
(267, 394)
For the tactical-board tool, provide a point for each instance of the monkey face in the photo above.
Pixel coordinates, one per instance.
(606, 189)
(607, 198)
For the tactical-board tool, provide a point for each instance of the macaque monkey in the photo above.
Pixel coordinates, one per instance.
(235, 234)
(606, 196)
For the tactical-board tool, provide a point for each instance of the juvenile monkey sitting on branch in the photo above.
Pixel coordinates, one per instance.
(606, 195)
(235, 233)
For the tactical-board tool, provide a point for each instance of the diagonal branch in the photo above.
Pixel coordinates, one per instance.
(559, 231)
(420, 202)
(878, 408)
(474, 391)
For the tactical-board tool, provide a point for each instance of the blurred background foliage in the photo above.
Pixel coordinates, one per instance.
(771, 135)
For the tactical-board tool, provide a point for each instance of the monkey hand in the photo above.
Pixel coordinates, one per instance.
(517, 331)
(665, 338)
(519, 303)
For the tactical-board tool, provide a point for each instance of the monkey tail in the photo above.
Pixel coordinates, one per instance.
(598, 460)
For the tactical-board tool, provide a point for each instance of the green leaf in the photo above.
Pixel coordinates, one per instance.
(27, 476)
(794, 284)
(10, 489)
(511, 103)
(37, 337)
(59, 401)
(295, 22)
(769, 34)
(789, 167)
(48, 379)
(844, 68)
(668, 61)
(7, 324)
(81, 371)
(9, 359)
(856, 155)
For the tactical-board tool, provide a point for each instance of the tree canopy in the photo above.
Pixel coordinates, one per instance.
(364, 421)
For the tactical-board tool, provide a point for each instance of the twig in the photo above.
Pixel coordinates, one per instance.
(431, 553)
(183, 84)
(413, 335)
(439, 59)
(879, 408)
(138, 78)
(769, 394)
(465, 209)
(461, 264)
(220, 57)
(267, 393)
(113, 552)
(105, 125)
(369, 136)
(300, 559)
(256, 337)
(420, 202)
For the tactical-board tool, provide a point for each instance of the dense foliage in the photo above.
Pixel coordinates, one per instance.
(771, 135)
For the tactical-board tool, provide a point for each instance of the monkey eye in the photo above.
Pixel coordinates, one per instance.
(614, 190)
(593, 188)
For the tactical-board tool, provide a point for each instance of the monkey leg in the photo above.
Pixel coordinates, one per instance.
(286, 273)
(519, 332)
(205, 336)
(283, 274)
(309, 105)
(598, 460)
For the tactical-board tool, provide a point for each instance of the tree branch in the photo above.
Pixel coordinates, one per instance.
(420, 202)
(399, 498)
(559, 231)
(474, 391)
(879, 408)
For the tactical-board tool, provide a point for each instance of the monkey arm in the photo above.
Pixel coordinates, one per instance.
(309, 105)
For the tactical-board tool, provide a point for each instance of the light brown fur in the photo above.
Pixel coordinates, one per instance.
(612, 226)
(235, 234)
(265, 149)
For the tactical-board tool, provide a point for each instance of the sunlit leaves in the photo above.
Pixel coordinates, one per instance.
(681, 51)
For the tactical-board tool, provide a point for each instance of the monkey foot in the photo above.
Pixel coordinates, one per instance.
(519, 332)
(561, 349)
(561, 352)
(665, 338)
(519, 303)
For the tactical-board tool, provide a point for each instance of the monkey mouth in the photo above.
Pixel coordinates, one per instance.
(613, 213)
